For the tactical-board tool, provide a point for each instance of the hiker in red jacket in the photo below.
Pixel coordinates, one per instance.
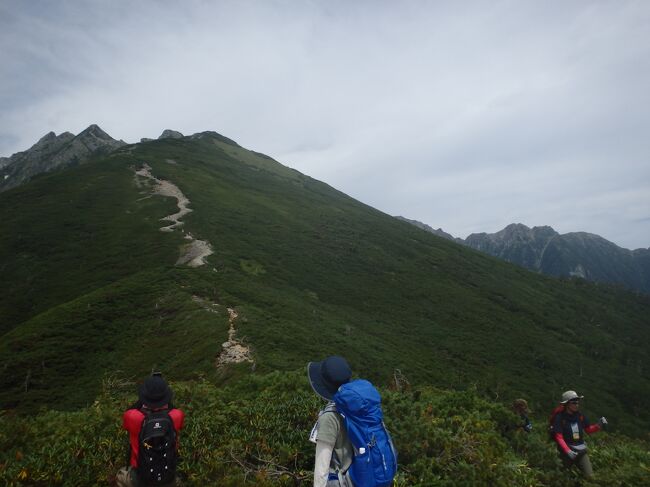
(568, 427)
(154, 426)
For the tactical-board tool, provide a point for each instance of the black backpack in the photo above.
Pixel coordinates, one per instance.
(157, 452)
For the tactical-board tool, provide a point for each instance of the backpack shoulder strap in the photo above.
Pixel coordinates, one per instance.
(329, 408)
(554, 413)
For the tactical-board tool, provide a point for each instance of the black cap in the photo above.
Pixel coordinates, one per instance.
(155, 392)
(327, 376)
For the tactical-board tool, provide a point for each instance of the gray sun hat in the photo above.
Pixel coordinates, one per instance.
(327, 376)
(569, 396)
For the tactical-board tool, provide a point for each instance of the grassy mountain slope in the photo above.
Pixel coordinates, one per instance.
(74, 231)
(311, 272)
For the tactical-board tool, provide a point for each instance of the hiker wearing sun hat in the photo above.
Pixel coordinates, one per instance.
(353, 446)
(153, 425)
(568, 427)
(334, 451)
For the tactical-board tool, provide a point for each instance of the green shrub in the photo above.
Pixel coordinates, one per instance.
(255, 432)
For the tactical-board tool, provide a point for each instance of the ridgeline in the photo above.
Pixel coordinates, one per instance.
(93, 289)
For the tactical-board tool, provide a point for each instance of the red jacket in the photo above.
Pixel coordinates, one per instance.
(132, 422)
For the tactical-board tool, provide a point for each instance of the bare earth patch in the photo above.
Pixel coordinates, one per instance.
(195, 251)
(233, 351)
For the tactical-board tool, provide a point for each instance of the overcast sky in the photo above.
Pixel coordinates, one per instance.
(463, 115)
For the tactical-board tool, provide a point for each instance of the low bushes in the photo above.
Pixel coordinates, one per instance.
(255, 432)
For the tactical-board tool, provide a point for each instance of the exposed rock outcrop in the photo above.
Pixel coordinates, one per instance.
(233, 351)
(171, 134)
(53, 152)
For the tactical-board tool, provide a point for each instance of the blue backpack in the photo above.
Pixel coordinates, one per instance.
(375, 459)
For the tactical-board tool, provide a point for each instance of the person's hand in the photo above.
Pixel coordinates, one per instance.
(572, 455)
(603, 421)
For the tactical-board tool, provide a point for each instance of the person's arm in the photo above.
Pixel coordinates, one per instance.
(132, 422)
(559, 439)
(327, 433)
(178, 418)
(126, 425)
(322, 463)
(588, 427)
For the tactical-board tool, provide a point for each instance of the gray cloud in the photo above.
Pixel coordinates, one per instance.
(465, 115)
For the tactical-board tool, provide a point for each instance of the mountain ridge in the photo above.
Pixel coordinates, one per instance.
(52, 152)
(574, 254)
(92, 285)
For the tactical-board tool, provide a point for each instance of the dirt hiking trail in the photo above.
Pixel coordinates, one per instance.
(195, 252)
(233, 351)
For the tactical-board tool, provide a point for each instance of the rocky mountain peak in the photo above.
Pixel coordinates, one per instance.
(95, 139)
(214, 135)
(514, 230)
(544, 231)
(46, 138)
(47, 143)
(53, 152)
(516, 227)
(171, 134)
(521, 232)
(96, 132)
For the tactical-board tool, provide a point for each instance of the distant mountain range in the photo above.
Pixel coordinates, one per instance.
(575, 254)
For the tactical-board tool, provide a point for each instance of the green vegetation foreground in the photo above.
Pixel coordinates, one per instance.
(256, 432)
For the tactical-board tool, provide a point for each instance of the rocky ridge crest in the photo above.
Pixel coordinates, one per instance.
(53, 152)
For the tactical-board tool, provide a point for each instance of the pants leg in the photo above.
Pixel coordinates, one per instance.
(584, 464)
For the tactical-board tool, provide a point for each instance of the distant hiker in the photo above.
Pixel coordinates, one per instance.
(520, 407)
(567, 428)
(153, 425)
(353, 447)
